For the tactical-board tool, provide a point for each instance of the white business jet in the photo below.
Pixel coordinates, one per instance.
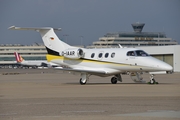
(33, 63)
(100, 62)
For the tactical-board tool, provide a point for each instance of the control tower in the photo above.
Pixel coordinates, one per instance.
(138, 27)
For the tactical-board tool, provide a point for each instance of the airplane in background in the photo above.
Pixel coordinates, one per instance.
(101, 62)
(33, 63)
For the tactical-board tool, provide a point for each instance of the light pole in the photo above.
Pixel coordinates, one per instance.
(158, 39)
(81, 40)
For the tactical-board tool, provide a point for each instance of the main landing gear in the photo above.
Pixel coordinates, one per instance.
(84, 78)
(116, 78)
(152, 80)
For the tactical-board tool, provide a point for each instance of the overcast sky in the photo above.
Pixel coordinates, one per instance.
(88, 18)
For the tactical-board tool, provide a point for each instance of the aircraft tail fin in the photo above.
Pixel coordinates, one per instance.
(19, 58)
(52, 43)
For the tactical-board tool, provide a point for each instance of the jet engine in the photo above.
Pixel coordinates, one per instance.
(74, 53)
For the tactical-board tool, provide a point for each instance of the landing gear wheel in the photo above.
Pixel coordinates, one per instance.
(82, 82)
(113, 80)
(153, 82)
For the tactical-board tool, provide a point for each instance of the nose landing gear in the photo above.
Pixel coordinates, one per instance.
(152, 80)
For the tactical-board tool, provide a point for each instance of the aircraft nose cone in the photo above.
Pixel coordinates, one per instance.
(162, 66)
(167, 67)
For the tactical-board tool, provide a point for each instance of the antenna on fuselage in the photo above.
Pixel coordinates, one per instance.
(120, 46)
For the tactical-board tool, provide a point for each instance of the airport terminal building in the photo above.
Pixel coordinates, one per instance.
(132, 39)
(28, 52)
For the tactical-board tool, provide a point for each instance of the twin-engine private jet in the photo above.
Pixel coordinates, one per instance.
(100, 62)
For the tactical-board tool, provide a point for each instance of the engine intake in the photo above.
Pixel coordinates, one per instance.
(73, 53)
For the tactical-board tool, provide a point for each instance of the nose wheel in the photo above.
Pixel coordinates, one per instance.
(152, 80)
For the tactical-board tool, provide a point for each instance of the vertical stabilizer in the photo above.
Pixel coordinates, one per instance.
(19, 59)
(52, 43)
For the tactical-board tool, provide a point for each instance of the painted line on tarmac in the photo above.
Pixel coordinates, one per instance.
(94, 111)
(8, 114)
(161, 113)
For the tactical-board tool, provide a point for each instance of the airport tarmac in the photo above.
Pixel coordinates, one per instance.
(47, 94)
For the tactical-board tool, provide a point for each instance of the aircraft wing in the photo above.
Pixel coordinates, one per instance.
(105, 71)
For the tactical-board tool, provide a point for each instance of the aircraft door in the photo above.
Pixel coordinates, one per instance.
(131, 56)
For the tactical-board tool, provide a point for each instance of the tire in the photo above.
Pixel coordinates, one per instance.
(82, 82)
(113, 80)
(153, 81)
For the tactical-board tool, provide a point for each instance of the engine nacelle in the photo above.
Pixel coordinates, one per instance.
(74, 53)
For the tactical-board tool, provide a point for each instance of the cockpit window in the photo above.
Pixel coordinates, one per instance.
(137, 53)
(141, 53)
(131, 53)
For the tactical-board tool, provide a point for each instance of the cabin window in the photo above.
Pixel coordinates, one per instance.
(100, 55)
(112, 55)
(131, 53)
(106, 55)
(92, 55)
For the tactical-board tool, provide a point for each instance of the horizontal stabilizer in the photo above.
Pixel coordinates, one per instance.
(31, 28)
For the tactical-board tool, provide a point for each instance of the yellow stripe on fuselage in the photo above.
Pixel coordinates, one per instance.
(53, 57)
